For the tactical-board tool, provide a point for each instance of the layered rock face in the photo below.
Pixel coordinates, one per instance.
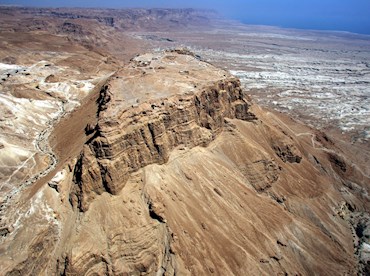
(181, 174)
(223, 187)
(166, 167)
(146, 134)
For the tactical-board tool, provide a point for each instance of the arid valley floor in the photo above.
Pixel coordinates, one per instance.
(175, 142)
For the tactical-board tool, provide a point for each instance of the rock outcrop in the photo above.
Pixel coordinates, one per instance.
(146, 134)
(179, 173)
(166, 167)
(183, 153)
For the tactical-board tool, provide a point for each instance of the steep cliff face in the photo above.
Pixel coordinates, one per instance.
(169, 168)
(189, 177)
(148, 133)
(181, 174)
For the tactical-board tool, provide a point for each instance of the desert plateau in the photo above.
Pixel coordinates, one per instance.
(177, 142)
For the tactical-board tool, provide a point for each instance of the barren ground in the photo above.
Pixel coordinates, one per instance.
(161, 164)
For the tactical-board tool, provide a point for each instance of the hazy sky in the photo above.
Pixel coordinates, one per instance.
(347, 15)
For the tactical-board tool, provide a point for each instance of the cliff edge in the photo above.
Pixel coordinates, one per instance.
(181, 174)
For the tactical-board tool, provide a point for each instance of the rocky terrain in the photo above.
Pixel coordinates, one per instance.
(160, 163)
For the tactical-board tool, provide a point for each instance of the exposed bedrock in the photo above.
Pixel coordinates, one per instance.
(147, 133)
(175, 175)
(163, 167)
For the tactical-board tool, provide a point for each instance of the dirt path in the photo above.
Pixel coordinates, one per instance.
(10, 203)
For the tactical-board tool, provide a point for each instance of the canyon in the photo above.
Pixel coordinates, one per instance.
(125, 153)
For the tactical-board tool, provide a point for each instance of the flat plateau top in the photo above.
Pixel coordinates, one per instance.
(161, 75)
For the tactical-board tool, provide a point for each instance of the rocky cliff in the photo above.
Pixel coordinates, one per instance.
(193, 153)
(181, 174)
(146, 134)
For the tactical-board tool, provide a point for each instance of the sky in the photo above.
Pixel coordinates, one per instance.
(341, 15)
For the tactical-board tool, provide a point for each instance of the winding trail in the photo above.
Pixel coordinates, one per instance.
(317, 145)
(7, 220)
(314, 143)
